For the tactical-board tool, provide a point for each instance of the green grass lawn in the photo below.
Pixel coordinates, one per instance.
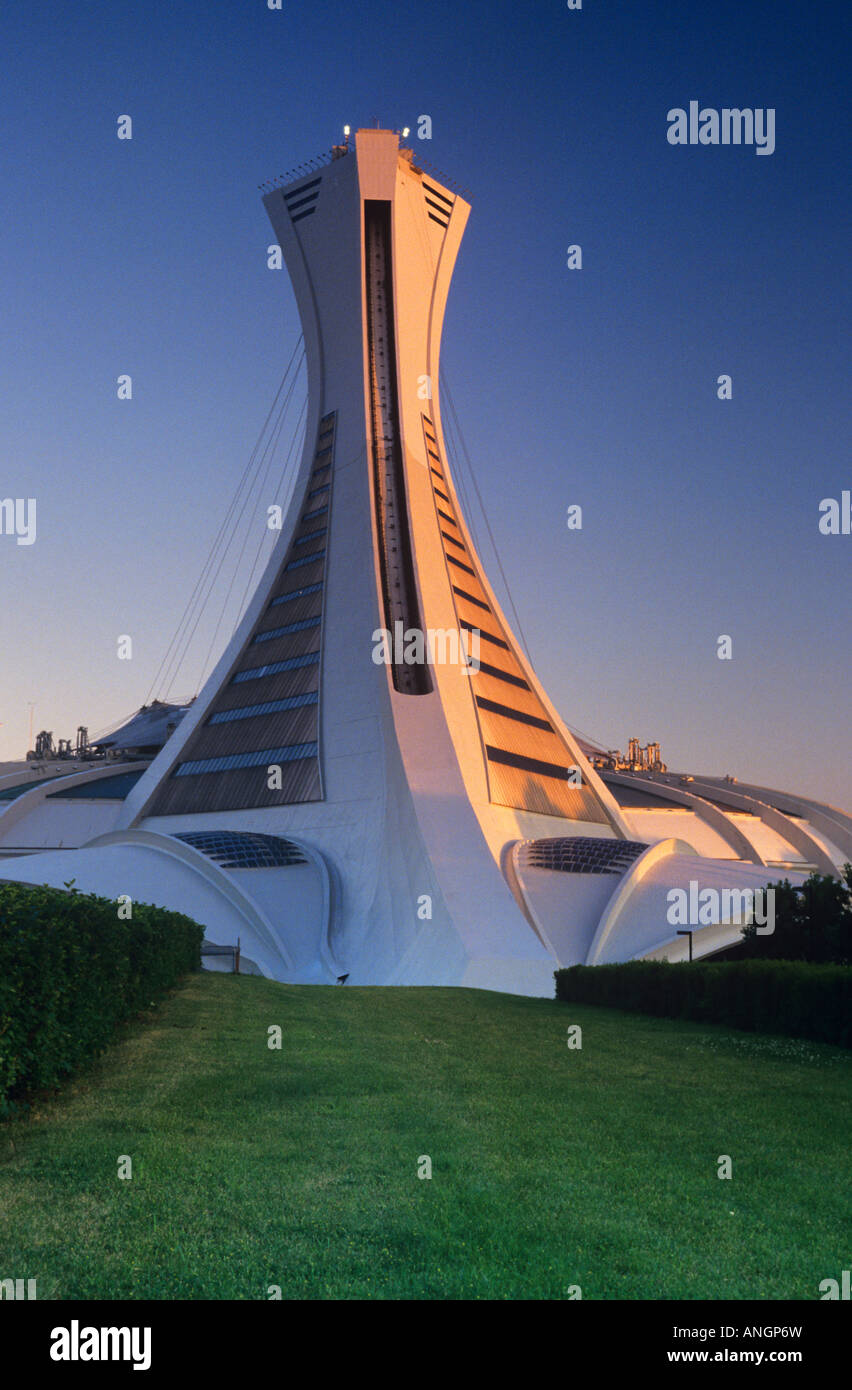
(550, 1167)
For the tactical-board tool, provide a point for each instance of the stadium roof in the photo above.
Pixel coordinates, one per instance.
(148, 728)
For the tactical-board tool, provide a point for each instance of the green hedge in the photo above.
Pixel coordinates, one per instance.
(762, 996)
(71, 972)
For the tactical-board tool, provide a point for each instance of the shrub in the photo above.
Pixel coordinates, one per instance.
(764, 996)
(812, 922)
(71, 972)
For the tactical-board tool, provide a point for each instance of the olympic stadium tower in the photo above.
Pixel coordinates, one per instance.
(373, 786)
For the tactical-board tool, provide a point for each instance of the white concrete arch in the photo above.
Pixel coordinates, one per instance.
(835, 824)
(282, 917)
(710, 814)
(31, 806)
(238, 894)
(614, 916)
(795, 835)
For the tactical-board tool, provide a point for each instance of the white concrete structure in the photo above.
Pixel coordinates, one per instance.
(426, 821)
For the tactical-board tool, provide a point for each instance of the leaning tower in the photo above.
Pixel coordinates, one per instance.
(374, 668)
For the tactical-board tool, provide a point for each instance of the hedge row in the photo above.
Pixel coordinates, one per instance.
(71, 972)
(762, 996)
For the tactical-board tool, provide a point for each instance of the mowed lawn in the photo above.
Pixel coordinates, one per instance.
(551, 1167)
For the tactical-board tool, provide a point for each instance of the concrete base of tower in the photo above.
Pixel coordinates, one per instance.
(284, 903)
(289, 904)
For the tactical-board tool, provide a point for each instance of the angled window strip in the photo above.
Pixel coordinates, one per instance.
(462, 593)
(305, 560)
(460, 565)
(263, 757)
(299, 626)
(494, 707)
(485, 636)
(229, 716)
(288, 678)
(301, 202)
(542, 769)
(291, 663)
(296, 593)
(427, 187)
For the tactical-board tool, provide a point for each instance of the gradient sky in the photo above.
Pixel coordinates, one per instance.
(595, 387)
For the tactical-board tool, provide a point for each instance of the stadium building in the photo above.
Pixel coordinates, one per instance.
(352, 801)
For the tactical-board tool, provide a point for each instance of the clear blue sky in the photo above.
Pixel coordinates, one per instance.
(595, 387)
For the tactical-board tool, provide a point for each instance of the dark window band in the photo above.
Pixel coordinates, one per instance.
(443, 197)
(296, 593)
(462, 593)
(486, 636)
(305, 560)
(517, 714)
(453, 561)
(303, 188)
(300, 626)
(262, 757)
(300, 202)
(228, 716)
(292, 663)
(499, 755)
(502, 676)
